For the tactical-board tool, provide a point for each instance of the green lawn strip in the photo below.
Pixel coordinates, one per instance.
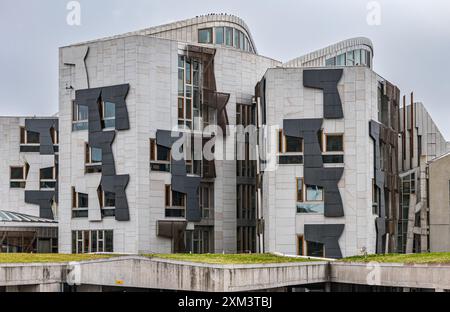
(229, 258)
(424, 258)
(48, 258)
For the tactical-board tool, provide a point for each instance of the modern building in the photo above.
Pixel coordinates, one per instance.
(420, 141)
(307, 153)
(439, 201)
(28, 186)
(120, 98)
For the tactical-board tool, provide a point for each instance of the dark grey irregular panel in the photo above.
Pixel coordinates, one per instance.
(181, 182)
(307, 129)
(328, 235)
(43, 127)
(314, 172)
(90, 98)
(117, 184)
(117, 95)
(44, 200)
(380, 223)
(327, 80)
(167, 138)
(104, 140)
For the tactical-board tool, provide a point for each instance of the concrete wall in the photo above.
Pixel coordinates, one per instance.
(439, 183)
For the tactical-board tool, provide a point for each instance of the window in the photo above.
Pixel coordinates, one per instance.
(107, 201)
(330, 61)
(92, 241)
(159, 153)
(229, 36)
(55, 136)
(288, 144)
(334, 143)
(205, 35)
(357, 55)
(363, 57)
(175, 203)
(80, 204)
(314, 193)
(219, 35)
(29, 137)
(93, 155)
(299, 190)
(189, 92)
(300, 246)
(18, 176)
(340, 60)
(47, 178)
(350, 59)
(309, 198)
(108, 113)
(80, 115)
(293, 145)
(206, 194)
(236, 39)
(315, 249)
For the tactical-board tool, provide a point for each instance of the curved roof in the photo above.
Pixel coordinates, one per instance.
(7, 216)
(179, 25)
(334, 48)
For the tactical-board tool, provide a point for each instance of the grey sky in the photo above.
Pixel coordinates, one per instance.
(412, 43)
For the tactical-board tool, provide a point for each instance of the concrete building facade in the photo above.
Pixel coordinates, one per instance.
(325, 177)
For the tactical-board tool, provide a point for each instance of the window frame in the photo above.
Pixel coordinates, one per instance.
(211, 34)
(24, 137)
(79, 239)
(300, 181)
(325, 142)
(282, 144)
(314, 201)
(18, 183)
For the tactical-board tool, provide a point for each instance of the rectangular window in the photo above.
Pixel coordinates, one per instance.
(80, 114)
(299, 190)
(108, 115)
(229, 36)
(47, 178)
(334, 143)
(219, 35)
(206, 193)
(350, 59)
(29, 137)
(330, 61)
(93, 155)
(205, 35)
(293, 144)
(315, 249)
(80, 204)
(314, 193)
(236, 39)
(363, 57)
(18, 176)
(159, 153)
(175, 203)
(92, 241)
(301, 246)
(340, 60)
(357, 55)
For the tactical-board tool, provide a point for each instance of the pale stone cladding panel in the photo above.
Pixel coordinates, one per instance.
(237, 73)
(286, 98)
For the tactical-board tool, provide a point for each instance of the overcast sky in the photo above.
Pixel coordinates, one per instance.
(412, 43)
